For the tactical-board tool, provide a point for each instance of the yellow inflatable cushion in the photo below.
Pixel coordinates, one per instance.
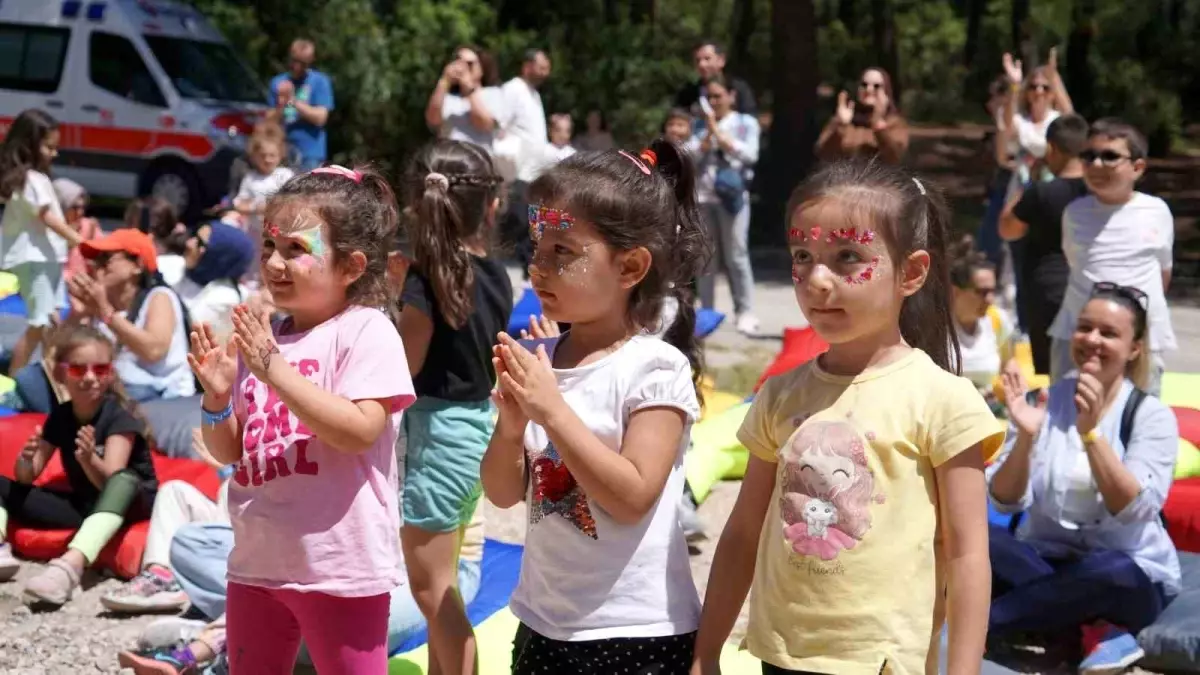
(8, 284)
(1187, 464)
(716, 454)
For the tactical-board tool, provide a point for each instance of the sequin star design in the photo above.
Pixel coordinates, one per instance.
(555, 491)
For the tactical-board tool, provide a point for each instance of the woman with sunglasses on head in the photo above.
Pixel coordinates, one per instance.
(1090, 467)
(104, 446)
(982, 330)
(870, 125)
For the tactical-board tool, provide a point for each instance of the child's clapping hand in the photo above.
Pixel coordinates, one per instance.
(85, 444)
(528, 379)
(254, 339)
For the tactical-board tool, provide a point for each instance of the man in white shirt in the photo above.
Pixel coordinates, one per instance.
(526, 121)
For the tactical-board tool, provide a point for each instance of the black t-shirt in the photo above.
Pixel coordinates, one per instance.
(689, 96)
(1044, 267)
(61, 428)
(458, 365)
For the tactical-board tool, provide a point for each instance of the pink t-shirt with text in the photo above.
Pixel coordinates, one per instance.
(306, 516)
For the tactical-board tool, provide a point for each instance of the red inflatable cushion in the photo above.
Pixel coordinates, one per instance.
(800, 345)
(1182, 512)
(1189, 424)
(123, 555)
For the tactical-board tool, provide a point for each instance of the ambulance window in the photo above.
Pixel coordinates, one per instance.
(115, 66)
(31, 57)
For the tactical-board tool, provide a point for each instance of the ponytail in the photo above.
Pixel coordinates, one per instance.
(688, 254)
(926, 320)
(449, 188)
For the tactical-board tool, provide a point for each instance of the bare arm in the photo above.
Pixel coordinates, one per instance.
(316, 115)
(60, 227)
(433, 109)
(152, 342)
(628, 483)
(349, 426)
(733, 563)
(1062, 100)
(33, 458)
(1012, 227)
(963, 522)
(416, 330)
(1166, 279)
(481, 117)
(503, 469)
(1011, 481)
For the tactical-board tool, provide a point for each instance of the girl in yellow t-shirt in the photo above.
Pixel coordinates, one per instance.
(861, 526)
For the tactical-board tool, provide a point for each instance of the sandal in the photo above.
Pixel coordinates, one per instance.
(53, 585)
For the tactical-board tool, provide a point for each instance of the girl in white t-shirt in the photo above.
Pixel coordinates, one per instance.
(594, 423)
(34, 236)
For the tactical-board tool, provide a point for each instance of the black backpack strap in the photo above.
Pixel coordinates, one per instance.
(1136, 396)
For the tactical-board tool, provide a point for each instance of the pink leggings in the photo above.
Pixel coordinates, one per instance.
(345, 636)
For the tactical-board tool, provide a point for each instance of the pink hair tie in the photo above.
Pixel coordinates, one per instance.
(637, 162)
(339, 170)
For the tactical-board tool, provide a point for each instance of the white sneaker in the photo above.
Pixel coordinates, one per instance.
(168, 632)
(9, 566)
(746, 324)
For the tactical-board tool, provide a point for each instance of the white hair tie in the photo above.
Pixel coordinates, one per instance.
(435, 179)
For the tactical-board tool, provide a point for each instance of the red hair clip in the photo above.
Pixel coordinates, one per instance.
(650, 156)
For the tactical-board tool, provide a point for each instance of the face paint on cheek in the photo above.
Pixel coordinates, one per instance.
(797, 276)
(865, 275)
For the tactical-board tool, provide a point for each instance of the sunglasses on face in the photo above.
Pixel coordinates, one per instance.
(1128, 292)
(870, 86)
(984, 292)
(78, 371)
(1040, 88)
(1106, 157)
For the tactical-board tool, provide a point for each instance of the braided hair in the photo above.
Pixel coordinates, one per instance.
(449, 189)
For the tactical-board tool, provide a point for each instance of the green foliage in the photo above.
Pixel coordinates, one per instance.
(385, 55)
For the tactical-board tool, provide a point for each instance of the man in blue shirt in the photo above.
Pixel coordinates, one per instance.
(305, 97)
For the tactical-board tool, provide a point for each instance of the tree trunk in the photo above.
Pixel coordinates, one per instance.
(975, 11)
(887, 55)
(788, 155)
(1079, 79)
(745, 22)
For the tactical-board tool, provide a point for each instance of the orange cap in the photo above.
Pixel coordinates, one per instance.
(126, 240)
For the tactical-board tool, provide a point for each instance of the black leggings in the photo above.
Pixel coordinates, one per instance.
(534, 654)
(45, 509)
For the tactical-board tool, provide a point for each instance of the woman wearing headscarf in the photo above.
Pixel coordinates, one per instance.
(216, 257)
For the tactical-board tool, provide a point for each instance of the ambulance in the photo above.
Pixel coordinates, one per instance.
(150, 98)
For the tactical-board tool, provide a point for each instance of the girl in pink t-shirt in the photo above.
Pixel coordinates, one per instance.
(307, 411)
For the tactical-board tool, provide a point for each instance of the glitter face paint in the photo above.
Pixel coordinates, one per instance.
(800, 234)
(851, 235)
(309, 234)
(865, 275)
(542, 218)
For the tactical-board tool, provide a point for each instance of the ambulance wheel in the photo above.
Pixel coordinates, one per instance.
(175, 182)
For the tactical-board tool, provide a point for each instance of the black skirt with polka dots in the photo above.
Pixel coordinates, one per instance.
(536, 654)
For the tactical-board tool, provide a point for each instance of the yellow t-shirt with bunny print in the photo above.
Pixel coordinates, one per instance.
(847, 572)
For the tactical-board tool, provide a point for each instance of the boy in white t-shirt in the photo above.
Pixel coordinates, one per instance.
(1119, 235)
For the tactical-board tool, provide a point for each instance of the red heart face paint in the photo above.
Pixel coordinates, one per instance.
(865, 275)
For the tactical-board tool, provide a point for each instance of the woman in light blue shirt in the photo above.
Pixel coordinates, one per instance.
(1090, 470)
(725, 147)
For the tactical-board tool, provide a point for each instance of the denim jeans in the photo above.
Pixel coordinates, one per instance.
(729, 234)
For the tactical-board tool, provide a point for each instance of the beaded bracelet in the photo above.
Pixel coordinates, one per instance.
(212, 419)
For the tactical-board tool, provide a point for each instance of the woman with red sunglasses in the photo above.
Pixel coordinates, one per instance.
(104, 446)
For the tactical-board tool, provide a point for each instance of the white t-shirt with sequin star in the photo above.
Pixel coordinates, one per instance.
(584, 575)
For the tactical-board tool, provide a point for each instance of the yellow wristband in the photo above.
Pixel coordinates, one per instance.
(1091, 436)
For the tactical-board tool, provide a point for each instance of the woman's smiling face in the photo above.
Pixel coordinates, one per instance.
(1103, 343)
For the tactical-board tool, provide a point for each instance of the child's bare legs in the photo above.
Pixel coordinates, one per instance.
(24, 348)
(432, 561)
